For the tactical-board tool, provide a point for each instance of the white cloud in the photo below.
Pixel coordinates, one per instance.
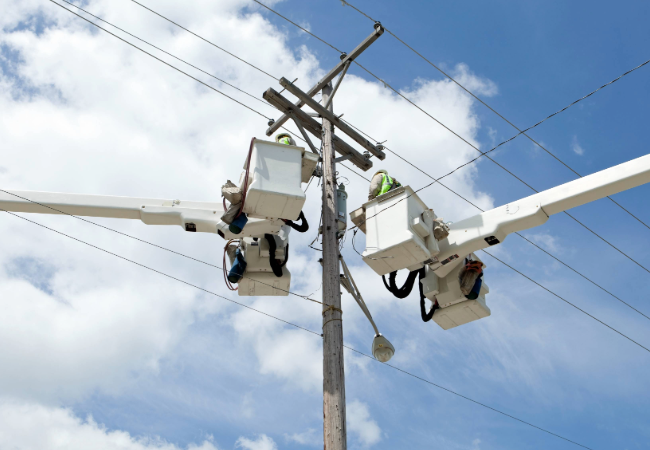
(263, 442)
(576, 147)
(476, 84)
(547, 240)
(362, 425)
(36, 427)
(106, 119)
(309, 437)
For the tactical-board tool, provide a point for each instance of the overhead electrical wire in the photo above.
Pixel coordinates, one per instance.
(566, 301)
(460, 137)
(548, 290)
(157, 271)
(248, 307)
(174, 56)
(517, 233)
(290, 324)
(260, 114)
(170, 65)
(508, 121)
(205, 40)
(465, 140)
(147, 242)
(161, 60)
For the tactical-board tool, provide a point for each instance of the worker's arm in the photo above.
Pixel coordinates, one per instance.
(492, 227)
(375, 185)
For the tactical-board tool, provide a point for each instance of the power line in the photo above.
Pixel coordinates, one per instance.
(506, 120)
(205, 40)
(268, 315)
(467, 398)
(148, 243)
(518, 234)
(246, 107)
(448, 174)
(170, 65)
(545, 288)
(159, 272)
(293, 325)
(162, 61)
(463, 139)
(566, 301)
(167, 53)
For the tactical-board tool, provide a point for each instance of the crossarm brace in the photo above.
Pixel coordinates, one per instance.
(357, 295)
(304, 133)
(336, 87)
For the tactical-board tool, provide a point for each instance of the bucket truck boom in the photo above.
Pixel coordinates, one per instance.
(272, 178)
(493, 226)
(399, 234)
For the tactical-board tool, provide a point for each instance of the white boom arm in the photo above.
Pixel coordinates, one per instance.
(193, 216)
(492, 227)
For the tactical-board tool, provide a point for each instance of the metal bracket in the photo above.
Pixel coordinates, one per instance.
(343, 158)
(338, 83)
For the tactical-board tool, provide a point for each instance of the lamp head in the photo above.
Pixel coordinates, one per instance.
(382, 349)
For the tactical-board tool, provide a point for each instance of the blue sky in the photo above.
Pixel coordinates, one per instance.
(176, 368)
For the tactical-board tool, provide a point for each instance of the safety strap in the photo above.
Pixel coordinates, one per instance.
(304, 226)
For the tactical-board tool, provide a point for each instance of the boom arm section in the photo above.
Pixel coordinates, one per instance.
(492, 227)
(193, 216)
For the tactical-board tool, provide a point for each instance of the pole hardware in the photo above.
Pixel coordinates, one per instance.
(310, 125)
(292, 82)
(304, 134)
(378, 31)
(338, 83)
(330, 116)
(333, 206)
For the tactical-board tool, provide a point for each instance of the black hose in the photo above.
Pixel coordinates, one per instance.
(403, 291)
(276, 265)
(304, 226)
(286, 256)
(426, 316)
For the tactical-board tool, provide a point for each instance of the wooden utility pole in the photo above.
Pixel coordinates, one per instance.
(334, 427)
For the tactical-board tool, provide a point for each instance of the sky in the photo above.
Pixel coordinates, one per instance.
(99, 353)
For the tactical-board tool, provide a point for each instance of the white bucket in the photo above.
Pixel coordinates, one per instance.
(274, 181)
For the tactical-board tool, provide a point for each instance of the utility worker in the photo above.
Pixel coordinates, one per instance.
(284, 138)
(381, 183)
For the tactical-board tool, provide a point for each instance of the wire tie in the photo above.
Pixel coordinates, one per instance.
(330, 321)
(333, 308)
